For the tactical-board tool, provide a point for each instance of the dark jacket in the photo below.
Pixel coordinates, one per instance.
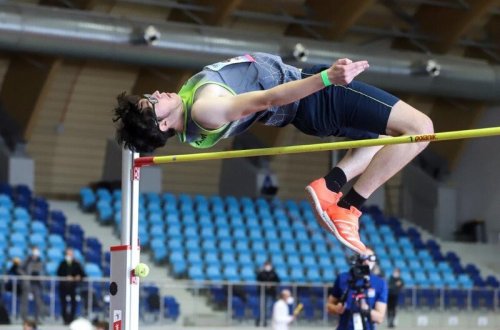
(269, 276)
(395, 285)
(69, 269)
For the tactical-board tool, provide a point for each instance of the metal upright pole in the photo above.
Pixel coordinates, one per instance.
(124, 285)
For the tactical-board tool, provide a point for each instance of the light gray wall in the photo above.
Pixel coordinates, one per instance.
(477, 178)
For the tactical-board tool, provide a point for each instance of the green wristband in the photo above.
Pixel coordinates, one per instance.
(324, 77)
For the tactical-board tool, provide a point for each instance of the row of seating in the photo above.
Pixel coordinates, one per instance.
(210, 224)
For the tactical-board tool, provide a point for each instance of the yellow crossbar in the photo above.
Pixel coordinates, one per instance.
(442, 136)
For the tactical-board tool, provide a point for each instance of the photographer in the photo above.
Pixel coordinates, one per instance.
(359, 297)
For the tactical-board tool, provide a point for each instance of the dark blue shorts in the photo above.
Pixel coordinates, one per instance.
(357, 110)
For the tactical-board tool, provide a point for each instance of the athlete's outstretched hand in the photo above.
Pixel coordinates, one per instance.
(343, 71)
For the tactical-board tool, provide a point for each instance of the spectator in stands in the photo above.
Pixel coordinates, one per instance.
(33, 266)
(396, 284)
(268, 276)
(281, 311)
(29, 325)
(226, 98)
(371, 308)
(73, 272)
(15, 270)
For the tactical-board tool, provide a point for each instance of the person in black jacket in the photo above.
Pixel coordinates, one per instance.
(268, 275)
(73, 272)
(396, 284)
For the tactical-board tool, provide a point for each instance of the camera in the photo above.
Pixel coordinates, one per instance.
(360, 271)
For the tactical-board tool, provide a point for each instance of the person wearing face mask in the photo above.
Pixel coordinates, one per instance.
(33, 266)
(352, 313)
(270, 277)
(73, 274)
(396, 284)
(281, 311)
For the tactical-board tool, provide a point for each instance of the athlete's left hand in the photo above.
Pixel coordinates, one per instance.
(343, 71)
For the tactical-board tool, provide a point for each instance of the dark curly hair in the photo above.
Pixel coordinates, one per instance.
(136, 128)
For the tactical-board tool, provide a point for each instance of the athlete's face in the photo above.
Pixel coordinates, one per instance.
(164, 106)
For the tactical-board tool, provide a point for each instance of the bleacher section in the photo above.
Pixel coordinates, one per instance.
(226, 239)
(27, 220)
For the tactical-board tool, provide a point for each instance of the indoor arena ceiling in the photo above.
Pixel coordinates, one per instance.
(469, 28)
(456, 40)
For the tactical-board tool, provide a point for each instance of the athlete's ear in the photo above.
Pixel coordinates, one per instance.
(163, 125)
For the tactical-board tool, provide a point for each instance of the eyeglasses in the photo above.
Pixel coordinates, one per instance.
(153, 100)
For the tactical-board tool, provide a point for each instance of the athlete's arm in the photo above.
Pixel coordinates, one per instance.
(213, 112)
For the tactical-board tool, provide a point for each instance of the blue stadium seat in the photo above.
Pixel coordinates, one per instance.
(225, 245)
(38, 227)
(174, 244)
(230, 273)
(191, 233)
(245, 259)
(309, 261)
(239, 233)
(241, 245)
(195, 258)
(160, 253)
(286, 235)
(209, 245)
(325, 261)
(260, 257)
(176, 256)
(414, 265)
(297, 274)
(228, 258)
(436, 280)
(258, 247)
(313, 274)
(16, 252)
(51, 268)
(282, 272)
(273, 247)
(92, 270)
(207, 233)
(174, 232)
(450, 281)
(195, 272)
(289, 247)
(465, 281)
(247, 273)
(211, 259)
(155, 219)
(306, 249)
(271, 234)
(38, 240)
(193, 244)
(213, 273)
(421, 279)
(223, 233)
(293, 260)
(20, 227)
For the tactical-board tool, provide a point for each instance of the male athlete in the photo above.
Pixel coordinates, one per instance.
(225, 98)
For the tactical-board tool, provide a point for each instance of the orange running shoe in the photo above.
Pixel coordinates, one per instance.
(321, 198)
(345, 226)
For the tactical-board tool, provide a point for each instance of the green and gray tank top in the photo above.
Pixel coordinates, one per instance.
(238, 75)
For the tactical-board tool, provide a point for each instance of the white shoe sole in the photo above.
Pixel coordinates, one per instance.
(325, 221)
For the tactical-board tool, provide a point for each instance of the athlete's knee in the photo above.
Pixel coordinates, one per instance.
(426, 124)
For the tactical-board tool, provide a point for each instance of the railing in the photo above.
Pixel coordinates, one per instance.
(226, 303)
